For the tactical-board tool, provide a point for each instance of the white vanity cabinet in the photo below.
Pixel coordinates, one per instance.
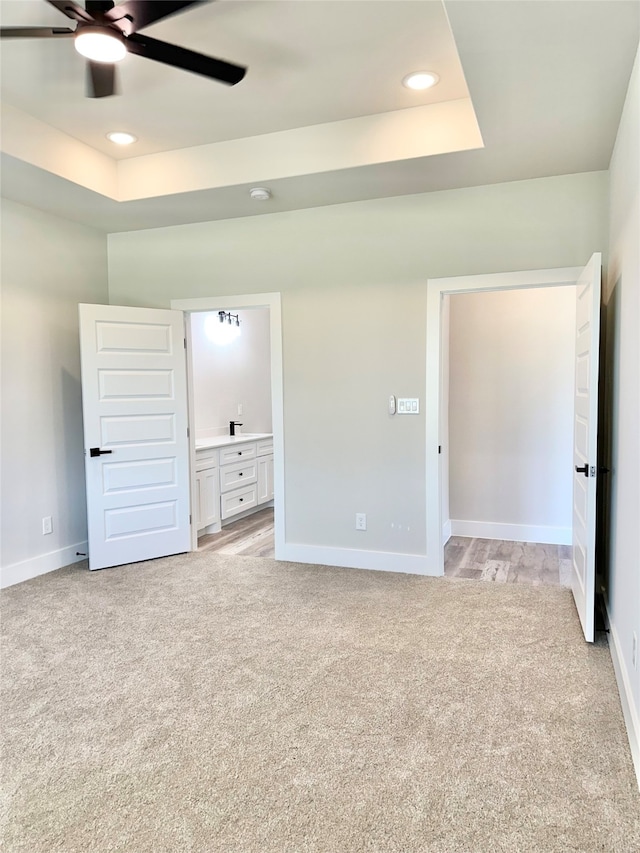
(232, 478)
(207, 508)
(265, 470)
(238, 479)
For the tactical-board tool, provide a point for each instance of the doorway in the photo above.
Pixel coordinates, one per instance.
(437, 375)
(585, 414)
(268, 303)
(508, 434)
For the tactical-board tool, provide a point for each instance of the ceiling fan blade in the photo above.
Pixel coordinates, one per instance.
(101, 79)
(35, 32)
(71, 10)
(134, 15)
(180, 57)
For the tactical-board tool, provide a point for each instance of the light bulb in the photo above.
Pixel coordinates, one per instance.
(219, 332)
(100, 44)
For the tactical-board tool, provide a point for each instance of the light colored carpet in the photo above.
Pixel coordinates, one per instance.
(209, 703)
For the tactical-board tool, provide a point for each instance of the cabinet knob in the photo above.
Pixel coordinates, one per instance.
(239, 453)
(241, 499)
(239, 473)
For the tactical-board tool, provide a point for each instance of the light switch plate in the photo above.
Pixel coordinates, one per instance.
(408, 406)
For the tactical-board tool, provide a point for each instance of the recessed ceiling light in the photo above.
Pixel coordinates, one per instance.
(100, 44)
(121, 138)
(260, 193)
(420, 80)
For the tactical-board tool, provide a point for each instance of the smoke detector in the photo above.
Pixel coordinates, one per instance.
(260, 194)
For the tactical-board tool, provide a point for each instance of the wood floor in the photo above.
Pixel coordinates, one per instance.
(477, 559)
(507, 562)
(248, 537)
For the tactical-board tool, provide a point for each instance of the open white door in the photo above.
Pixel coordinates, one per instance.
(134, 400)
(585, 443)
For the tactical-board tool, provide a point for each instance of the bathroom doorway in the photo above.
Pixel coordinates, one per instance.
(234, 369)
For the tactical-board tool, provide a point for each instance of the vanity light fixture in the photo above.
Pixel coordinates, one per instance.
(224, 330)
(420, 80)
(121, 138)
(229, 317)
(100, 44)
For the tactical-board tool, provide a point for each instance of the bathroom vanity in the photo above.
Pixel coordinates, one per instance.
(234, 476)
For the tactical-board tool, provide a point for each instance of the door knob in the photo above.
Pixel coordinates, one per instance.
(584, 469)
(95, 451)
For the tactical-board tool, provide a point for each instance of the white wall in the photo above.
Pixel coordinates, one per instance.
(353, 283)
(511, 381)
(49, 265)
(238, 372)
(622, 408)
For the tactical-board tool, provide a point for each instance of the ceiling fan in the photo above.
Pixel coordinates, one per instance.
(106, 32)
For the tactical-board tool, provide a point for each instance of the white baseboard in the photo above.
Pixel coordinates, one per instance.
(630, 713)
(351, 558)
(27, 569)
(512, 532)
(446, 532)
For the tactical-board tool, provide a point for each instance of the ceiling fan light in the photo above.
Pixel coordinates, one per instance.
(100, 45)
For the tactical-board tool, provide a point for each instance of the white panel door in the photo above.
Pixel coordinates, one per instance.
(134, 400)
(585, 444)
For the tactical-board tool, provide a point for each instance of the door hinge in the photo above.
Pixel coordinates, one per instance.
(189, 519)
(188, 432)
(185, 343)
(439, 448)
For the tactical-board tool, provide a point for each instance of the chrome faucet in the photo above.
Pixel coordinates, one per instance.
(232, 427)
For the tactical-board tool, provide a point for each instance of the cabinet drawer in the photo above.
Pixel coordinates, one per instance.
(206, 459)
(265, 447)
(238, 453)
(238, 500)
(238, 474)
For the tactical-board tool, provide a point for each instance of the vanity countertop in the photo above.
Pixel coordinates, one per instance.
(225, 440)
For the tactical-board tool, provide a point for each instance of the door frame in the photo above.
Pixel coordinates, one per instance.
(437, 289)
(272, 301)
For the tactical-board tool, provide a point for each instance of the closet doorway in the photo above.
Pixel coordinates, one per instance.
(584, 405)
(508, 434)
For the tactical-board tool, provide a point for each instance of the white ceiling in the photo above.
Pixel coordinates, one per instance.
(547, 79)
(309, 63)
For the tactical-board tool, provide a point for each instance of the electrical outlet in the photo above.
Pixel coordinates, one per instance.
(239, 408)
(47, 525)
(634, 651)
(361, 521)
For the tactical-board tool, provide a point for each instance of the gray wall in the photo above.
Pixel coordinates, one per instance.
(511, 378)
(622, 405)
(49, 265)
(353, 282)
(232, 373)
